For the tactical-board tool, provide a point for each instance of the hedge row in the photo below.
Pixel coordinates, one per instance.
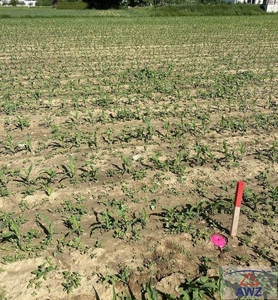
(44, 3)
(72, 5)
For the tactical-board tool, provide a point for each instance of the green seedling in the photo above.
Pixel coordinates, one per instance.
(13, 233)
(166, 126)
(108, 135)
(73, 208)
(203, 154)
(48, 228)
(219, 284)
(199, 288)
(27, 144)
(152, 293)
(10, 146)
(27, 181)
(48, 175)
(120, 221)
(76, 243)
(273, 151)
(205, 265)
(2, 295)
(94, 140)
(42, 272)
(25, 178)
(4, 180)
(70, 171)
(98, 244)
(73, 224)
(89, 172)
(226, 150)
(241, 150)
(73, 281)
(127, 162)
(143, 218)
(149, 128)
(21, 122)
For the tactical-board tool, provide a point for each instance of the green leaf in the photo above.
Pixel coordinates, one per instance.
(49, 269)
(152, 292)
(196, 295)
(8, 234)
(114, 294)
(209, 285)
(48, 191)
(185, 295)
(14, 227)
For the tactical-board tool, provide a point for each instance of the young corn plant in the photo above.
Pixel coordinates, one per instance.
(157, 163)
(47, 227)
(70, 171)
(21, 122)
(203, 154)
(4, 180)
(27, 181)
(152, 293)
(149, 129)
(108, 135)
(273, 151)
(72, 222)
(166, 126)
(93, 141)
(10, 146)
(26, 144)
(89, 172)
(48, 177)
(127, 162)
(13, 233)
(242, 150)
(226, 151)
(118, 219)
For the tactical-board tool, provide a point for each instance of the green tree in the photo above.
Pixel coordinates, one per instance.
(14, 2)
(103, 4)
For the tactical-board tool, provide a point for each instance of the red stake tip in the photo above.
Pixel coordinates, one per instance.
(239, 193)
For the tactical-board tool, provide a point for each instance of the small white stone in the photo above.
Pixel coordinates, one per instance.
(136, 157)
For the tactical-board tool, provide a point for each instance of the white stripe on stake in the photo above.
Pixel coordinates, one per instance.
(238, 200)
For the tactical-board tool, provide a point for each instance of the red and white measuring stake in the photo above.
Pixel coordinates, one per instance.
(238, 200)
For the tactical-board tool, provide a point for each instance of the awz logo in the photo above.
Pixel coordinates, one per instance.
(249, 286)
(249, 291)
(256, 283)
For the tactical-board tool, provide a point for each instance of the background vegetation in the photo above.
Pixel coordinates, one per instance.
(75, 9)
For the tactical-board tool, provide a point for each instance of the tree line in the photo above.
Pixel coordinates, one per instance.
(105, 4)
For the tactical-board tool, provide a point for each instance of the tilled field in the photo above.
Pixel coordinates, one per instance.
(122, 141)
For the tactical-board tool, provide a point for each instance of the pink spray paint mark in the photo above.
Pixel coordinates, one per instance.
(218, 240)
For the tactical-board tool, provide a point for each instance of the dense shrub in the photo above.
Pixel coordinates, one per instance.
(14, 2)
(136, 2)
(71, 5)
(44, 3)
(198, 9)
(104, 4)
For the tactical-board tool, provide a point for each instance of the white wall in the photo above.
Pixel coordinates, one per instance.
(271, 7)
(26, 2)
(30, 3)
(245, 1)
